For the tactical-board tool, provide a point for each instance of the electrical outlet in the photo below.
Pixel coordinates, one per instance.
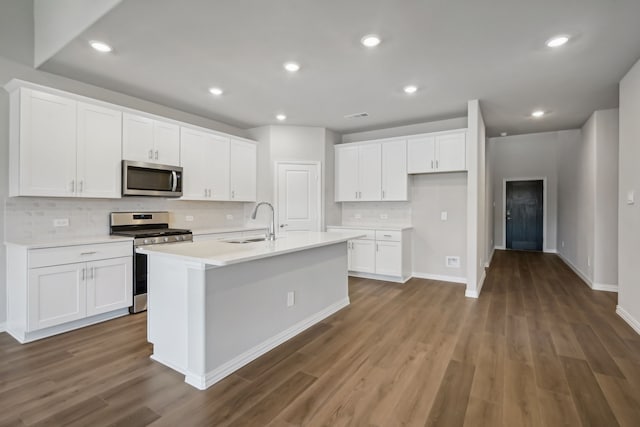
(291, 298)
(357, 216)
(188, 218)
(453, 261)
(444, 215)
(61, 222)
(229, 217)
(384, 216)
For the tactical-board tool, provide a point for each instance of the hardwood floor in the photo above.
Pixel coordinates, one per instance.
(537, 348)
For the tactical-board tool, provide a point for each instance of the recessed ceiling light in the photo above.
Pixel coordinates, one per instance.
(557, 41)
(281, 117)
(370, 40)
(410, 89)
(292, 67)
(216, 91)
(100, 46)
(537, 113)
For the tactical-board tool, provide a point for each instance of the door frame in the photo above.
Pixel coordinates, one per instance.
(544, 208)
(276, 192)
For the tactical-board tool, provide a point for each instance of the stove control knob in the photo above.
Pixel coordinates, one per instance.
(146, 241)
(166, 239)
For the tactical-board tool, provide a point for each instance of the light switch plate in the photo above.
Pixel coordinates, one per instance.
(188, 218)
(444, 215)
(291, 298)
(631, 196)
(452, 261)
(229, 217)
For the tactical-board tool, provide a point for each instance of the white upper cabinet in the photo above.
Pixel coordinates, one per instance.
(148, 140)
(394, 170)
(371, 171)
(64, 148)
(99, 151)
(43, 150)
(205, 160)
(443, 152)
(243, 165)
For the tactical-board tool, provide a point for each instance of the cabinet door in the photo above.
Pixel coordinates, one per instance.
(109, 285)
(451, 152)
(394, 170)
(47, 144)
(218, 165)
(370, 172)
(195, 151)
(137, 138)
(56, 295)
(166, 143)
(389, 258)
(346, 158)
(99, 151)
(421, 154)
(363, 257)
(242, 165)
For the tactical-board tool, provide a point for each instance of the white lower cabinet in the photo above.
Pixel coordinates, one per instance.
(57, 289)
(380, 254)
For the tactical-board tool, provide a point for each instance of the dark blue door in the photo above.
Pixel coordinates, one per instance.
(524, 215)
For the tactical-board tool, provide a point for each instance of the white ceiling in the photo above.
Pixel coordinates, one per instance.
(171, 52)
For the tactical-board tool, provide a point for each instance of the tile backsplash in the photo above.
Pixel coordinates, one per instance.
(376, 213)
(29, 218)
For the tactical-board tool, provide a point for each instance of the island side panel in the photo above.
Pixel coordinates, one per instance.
(247, 312)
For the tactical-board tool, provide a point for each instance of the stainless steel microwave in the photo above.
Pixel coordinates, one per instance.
(149, 179)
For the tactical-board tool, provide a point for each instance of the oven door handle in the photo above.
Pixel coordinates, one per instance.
(174, 180)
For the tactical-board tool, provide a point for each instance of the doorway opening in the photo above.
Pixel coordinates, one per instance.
(524, 214)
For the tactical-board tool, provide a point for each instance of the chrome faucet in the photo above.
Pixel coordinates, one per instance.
(272, 227)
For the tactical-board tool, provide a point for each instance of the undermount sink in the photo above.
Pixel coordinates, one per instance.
(256, 239)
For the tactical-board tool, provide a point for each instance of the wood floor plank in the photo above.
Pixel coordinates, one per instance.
(538, 347)
(592, 406)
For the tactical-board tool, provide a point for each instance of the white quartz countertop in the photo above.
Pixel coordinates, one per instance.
(60, 241)
(220, 230)
(373, 227)
(221, 253)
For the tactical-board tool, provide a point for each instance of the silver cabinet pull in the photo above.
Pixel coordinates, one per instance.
(83, 274)
(150, 154)
(284, 225)
(73, 185)
(431, 164)
(156, 154)
(377, 248)
(205, 192)
(233, 194)
(436, 164)
(387, 235)
(383, 194)
(81, 186)
(356, 194)
(93, 272)
(88, 253)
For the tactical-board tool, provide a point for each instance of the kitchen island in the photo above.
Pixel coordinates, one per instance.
(215, 306)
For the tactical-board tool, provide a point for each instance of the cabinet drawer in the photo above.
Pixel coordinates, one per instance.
(394, 236)
(369, 234)
(81, 253)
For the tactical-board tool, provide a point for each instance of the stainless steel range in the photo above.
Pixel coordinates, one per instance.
(146, 228)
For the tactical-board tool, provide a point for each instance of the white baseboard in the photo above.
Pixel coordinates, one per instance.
(488, 263)
(380, 277)
(475, 293)
(605, 287)
(628, 318)
(453, 279)
(500, 248)
(595, 286)
(205, 381)
(550, 251)
(3, 327)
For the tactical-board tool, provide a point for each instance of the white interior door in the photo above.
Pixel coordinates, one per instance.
(298, 192)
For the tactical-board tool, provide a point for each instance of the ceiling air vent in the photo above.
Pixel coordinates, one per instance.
(356, 115)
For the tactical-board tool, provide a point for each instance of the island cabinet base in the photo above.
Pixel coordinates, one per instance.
(206, 322)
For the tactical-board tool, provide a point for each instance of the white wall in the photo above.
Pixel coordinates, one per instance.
(58, 22)
(293, 143)
(528, 156)
(629, 214)
(415, 129)
(587, 200)
(16, 31)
